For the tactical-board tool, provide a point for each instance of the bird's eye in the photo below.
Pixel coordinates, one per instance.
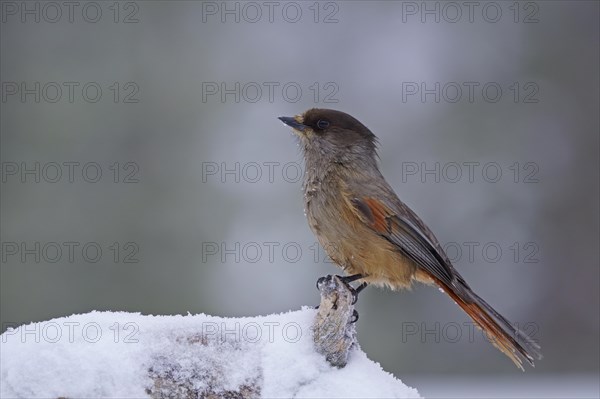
(322, 124)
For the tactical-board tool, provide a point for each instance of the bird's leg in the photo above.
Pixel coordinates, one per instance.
(349, 279)
(355, 291)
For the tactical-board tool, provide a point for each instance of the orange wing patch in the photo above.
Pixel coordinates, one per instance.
(380, 215)
(374, 212)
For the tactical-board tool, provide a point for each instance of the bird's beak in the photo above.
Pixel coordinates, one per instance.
(293, 122)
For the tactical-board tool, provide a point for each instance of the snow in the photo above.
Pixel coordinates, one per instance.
(118, 354)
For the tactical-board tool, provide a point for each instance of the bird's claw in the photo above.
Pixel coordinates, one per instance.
(354, 291)
(322, 281)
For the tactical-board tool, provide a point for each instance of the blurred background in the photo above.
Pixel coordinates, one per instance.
(144, 168)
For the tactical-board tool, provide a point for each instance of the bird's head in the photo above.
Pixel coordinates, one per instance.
(332, 134)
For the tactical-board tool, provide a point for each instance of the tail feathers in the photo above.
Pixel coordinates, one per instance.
(503, 335)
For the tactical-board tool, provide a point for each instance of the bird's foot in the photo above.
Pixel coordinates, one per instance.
(346, 280)
(355, 291)
(323, 280)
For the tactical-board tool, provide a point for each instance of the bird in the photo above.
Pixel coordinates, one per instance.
(371, 234)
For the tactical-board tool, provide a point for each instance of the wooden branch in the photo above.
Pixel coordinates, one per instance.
(334, 328)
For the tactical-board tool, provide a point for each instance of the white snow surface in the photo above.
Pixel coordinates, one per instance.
(109, 354)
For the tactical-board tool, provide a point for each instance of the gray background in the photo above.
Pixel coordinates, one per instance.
(369, 53)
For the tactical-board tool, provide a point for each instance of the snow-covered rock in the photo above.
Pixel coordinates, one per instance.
(118, 354)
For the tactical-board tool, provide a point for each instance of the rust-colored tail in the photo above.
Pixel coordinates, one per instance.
(501, 333)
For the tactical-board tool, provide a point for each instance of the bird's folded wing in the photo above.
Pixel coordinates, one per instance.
(407, 232)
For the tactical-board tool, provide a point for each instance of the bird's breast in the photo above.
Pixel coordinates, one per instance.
(347, 240)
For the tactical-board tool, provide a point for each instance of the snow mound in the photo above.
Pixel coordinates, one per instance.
(126, 355)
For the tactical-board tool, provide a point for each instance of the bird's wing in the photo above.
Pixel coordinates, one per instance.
(403, 228)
